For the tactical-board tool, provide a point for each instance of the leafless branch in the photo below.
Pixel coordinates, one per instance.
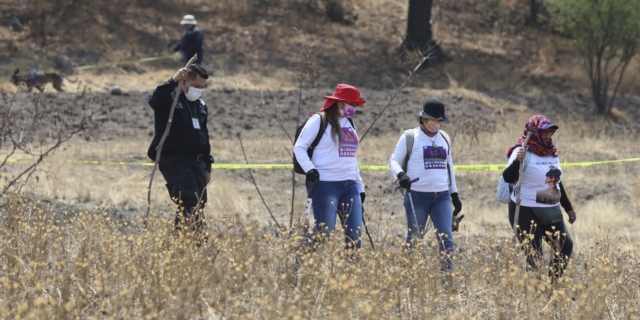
(255, 184)
(395, 93)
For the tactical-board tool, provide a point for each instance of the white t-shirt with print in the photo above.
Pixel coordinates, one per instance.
(540, 181)
(428, 161)
(335, 161)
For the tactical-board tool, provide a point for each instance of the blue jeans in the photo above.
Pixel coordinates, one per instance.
(333, 199)
(438, 206)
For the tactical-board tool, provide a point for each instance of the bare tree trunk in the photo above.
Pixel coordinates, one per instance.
(534, 8)
(419, 33)
(598, 99)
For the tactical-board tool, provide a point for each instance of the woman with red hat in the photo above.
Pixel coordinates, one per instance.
(333, 167)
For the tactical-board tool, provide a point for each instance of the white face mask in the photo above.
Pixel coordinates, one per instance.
(193, 94)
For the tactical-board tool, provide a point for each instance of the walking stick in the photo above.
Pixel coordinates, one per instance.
(413, 209)
(307, 209)
(164, 137)
(517, 190)
(367, 230)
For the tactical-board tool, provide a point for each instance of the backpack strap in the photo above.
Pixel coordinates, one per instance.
(445, 136)
(315, 142)
(353, 125)
(322, 129)
(408, 137)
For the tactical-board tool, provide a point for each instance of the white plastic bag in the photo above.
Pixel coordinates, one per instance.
(504, 196)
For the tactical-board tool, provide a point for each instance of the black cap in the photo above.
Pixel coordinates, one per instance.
(433, 109)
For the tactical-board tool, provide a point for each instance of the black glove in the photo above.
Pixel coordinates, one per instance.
(457, 205)
(404, 181)
(456, 222)
(313, 175)
(362, 196)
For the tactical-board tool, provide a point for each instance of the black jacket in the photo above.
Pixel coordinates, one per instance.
(183, 138)
(190, 44)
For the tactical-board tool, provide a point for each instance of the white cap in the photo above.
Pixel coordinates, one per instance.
(188, 19)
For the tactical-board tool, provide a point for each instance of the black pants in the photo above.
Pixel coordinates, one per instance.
(186, 182)
(561, 241)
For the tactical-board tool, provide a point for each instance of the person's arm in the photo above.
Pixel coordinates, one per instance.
(359, 180)
(307, 135)
(512, 173)
(397, 156)
(158, 99)
(564, 199)
(452, 175)
(198, 38)
(208, 159)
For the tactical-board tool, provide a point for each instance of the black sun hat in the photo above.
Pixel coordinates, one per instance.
(433, 109)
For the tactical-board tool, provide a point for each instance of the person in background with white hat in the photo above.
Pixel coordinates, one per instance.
(431, 163)
(191, 42)
(333, 165)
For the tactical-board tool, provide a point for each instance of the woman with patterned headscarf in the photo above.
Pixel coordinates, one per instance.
(539, 211)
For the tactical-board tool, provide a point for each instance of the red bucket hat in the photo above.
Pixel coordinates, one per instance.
(346, 93)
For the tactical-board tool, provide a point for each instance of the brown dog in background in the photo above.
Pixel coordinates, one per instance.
(39, 80)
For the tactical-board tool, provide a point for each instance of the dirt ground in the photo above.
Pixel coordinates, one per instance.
(484, 125)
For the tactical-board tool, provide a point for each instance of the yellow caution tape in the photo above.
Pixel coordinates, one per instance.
(120, 63)
(237, 166)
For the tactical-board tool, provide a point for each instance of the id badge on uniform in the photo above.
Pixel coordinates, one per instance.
(196, 123)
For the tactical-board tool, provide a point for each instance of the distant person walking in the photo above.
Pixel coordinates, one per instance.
(430, 161)
(541, 194)
(185, 162)
(191, 41)
(333, 166)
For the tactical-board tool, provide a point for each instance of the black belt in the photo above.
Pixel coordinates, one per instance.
(195, 157)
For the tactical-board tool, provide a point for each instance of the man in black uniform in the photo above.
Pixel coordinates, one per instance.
(185, 160)
(191, 41)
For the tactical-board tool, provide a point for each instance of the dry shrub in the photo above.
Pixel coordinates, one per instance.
(33, 129)
(58, 264)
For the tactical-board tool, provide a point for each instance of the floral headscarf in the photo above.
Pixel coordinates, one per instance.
(536, 144)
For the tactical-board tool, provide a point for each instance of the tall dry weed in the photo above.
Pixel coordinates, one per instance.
(85, 265)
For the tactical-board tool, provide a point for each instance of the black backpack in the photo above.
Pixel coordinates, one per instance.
(296, 166)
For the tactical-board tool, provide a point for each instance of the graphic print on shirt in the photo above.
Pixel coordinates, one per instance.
(434, 157)
(550, 195)
(349, 143)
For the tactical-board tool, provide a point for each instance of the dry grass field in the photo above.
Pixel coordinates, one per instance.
(73, 240)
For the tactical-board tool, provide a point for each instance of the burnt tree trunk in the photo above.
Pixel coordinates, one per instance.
(419, 34)
(534, 9)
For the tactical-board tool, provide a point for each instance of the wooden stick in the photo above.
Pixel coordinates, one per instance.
(517, 189)
(164, 137)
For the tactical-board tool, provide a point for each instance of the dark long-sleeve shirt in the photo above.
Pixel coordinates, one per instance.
(184, 138)
(512, 173)
(191, 43)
